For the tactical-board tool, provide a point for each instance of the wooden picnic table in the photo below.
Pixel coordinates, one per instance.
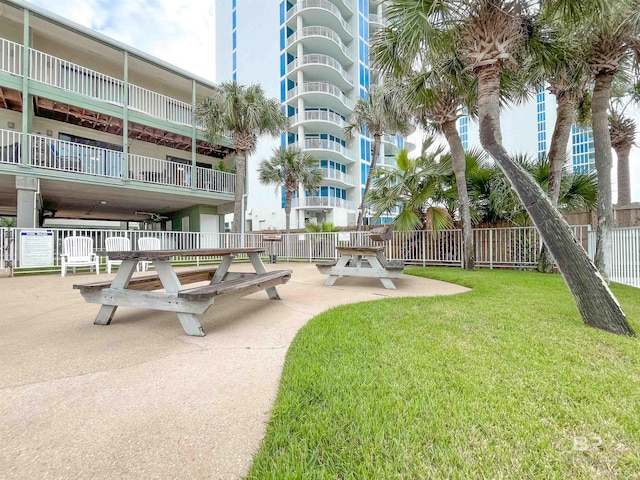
(362, 261)
(129, 291)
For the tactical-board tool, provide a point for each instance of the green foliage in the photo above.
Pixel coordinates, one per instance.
(324, 227)
(8, 222)
(477, 385)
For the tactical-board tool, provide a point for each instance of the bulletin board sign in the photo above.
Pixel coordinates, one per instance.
(36, 248)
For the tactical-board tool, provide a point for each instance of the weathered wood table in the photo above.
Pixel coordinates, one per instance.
(362, 261)
(136, 292)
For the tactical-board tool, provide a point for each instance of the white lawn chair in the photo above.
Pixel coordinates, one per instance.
(116, 244)
(147, 243)
(78, 252)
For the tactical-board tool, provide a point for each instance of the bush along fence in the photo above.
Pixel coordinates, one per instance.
(516, 247)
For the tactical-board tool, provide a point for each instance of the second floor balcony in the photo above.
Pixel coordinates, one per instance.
(71, 77)
(62, 156)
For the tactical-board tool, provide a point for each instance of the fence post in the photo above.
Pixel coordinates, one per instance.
(490, 249)
(424, 248)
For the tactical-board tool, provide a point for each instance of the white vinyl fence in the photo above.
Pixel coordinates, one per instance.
(516, 247)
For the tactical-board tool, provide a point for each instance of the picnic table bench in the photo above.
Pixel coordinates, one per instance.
(362, 261)
(124, 290)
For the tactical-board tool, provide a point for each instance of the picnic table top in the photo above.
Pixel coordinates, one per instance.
(360, 248)
(160, 254)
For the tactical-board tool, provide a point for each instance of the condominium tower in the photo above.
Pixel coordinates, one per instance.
(314, 56)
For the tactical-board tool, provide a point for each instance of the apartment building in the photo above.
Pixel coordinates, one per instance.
(314, 56)
(94, 130)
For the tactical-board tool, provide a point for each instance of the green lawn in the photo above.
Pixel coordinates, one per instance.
(504, 381)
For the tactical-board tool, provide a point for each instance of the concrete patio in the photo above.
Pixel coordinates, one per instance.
(139, 398)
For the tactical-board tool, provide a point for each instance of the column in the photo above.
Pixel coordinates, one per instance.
(27, 204)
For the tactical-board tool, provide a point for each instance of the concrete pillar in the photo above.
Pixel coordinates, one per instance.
(27, 204)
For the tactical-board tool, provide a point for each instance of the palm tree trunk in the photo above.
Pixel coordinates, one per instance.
(624, 179)
(459, 166)
(602, 146)
(374, 159)
(566, 111)
(241, 163)
(594, 299)
(287, 210)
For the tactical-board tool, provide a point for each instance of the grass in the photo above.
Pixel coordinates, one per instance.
(504, 381)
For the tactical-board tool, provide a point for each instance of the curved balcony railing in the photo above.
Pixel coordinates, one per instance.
(323, 4)
(318, 59)
(319, 32)
(386, 162)
(333, 174)
(377, 19)
(319, 115)
(320, 87)
(322, 144)
(317, 201)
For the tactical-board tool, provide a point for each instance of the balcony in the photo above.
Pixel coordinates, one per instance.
(334, 175)
(322, 94)
(322, 67)
(386, 162)
(320, 12)
(319, 121)
(56, 72)
(51, 154)
(327, 149)
(377, 20)
(320, 40)
(322, 202)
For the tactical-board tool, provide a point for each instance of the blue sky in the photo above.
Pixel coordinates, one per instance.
(181, 32)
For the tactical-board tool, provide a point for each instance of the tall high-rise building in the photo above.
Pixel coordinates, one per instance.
(314, 56)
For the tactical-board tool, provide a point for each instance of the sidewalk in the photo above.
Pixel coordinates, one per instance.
(139, 398)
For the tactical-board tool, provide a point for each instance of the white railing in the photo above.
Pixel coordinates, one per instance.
(317, 201)
(323, 4)
(75, 78)
(10, 146)
(11, 57)
(333, 174)
(319, 115)
(160, 106)
(318, 59)
(499, 247)
(386, 162)
(215, 180)
(320, 87)
(319, 32)
(393, 140)
(322, 144)
(625, 257)
(65, 156)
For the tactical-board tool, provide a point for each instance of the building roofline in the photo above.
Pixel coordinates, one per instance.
(87, 32)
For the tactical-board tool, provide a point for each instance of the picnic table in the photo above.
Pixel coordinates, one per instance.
(129, 291)
(362, 261)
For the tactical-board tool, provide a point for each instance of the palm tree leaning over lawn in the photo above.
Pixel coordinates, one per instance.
(612, 38)
(381, 112)
(288, 168)
(242, 113)
(413, 187)
(491, 34)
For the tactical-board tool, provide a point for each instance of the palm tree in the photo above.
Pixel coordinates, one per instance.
(611, 34)
(413, 188)
(380, 112)
(242, 113)
(490, 36)
(622, 130)
(288, 168)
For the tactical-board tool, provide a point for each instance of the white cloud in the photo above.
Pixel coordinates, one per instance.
(177, 31)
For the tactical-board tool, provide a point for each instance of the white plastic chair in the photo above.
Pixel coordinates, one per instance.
(116, 244)
(147, 243)
(78, 252)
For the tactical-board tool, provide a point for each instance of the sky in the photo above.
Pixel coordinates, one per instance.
(181, 32)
